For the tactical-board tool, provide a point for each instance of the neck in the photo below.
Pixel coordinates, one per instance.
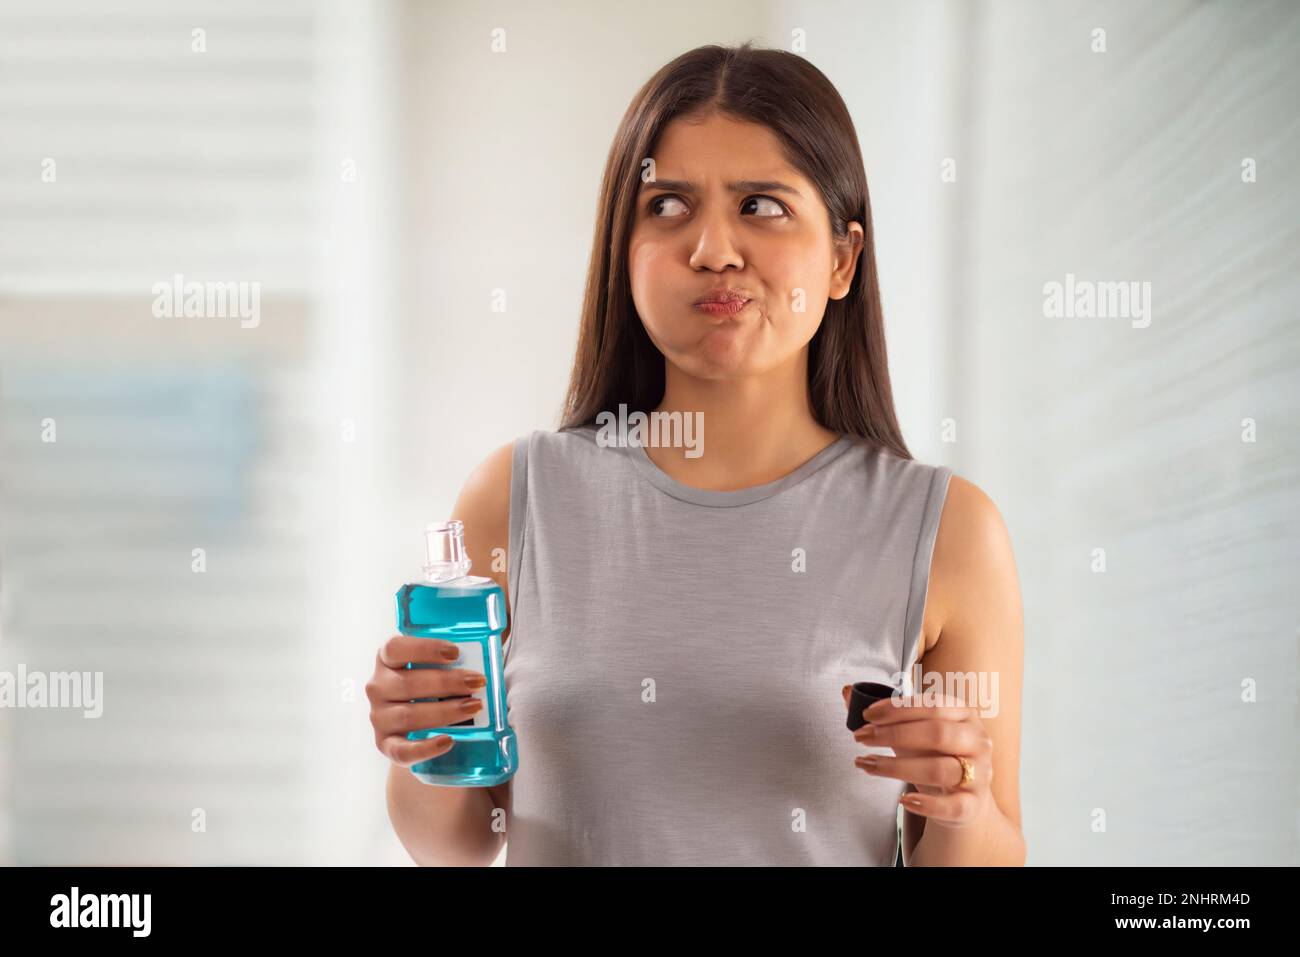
(756, 429)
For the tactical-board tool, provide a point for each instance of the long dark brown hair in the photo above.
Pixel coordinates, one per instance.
(616, 362)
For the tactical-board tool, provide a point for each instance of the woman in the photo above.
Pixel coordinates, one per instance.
(689, 609)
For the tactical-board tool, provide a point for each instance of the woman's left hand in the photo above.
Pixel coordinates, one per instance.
(930, 738)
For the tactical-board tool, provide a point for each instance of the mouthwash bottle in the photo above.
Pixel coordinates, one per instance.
(453, 605)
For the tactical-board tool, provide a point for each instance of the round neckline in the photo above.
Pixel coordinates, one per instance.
(741, 496)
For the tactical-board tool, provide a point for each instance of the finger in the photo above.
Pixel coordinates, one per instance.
(944, 737)
(390, 684)
(400, 718)
(952, 810)
(931, 700)
(399, 649)
(937, 770)
(401, 751)
(911, 708)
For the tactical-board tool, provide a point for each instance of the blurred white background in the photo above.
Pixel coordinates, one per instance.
(380, 171)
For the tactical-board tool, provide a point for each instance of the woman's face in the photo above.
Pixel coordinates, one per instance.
(725, 210)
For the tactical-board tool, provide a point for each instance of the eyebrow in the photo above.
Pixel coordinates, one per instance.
(741, 186)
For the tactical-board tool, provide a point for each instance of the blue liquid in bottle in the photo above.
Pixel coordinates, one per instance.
(454, 606)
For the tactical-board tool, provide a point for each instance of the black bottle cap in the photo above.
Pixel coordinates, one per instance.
(863, 696)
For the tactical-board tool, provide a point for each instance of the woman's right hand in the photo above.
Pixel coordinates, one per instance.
(393, 688)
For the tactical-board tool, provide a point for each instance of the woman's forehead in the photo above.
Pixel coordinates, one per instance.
(683, 134)
(722, 152)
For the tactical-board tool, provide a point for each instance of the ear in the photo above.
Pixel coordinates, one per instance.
(845, 264)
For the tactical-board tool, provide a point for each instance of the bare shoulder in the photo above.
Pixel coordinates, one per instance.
(484, 501)
(971, 525)
(484, 508)
(487, 486)
(973, 565)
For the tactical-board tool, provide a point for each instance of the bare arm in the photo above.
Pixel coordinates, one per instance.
(452, 826)
(442, 826)
(976, 592)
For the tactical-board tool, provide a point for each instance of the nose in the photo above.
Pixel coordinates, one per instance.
(715, 246)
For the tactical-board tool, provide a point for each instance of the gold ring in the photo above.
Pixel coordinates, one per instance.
(967, 771)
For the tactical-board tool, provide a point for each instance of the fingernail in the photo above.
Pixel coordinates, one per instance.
(471, 704)
(475, 681)
(912, 800)
(867, 761)
(868, 732)
(451, 654)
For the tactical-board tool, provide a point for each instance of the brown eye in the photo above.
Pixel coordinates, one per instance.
(774, 204)
(654, 203)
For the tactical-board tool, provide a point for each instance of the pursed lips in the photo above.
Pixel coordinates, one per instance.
(728, 307)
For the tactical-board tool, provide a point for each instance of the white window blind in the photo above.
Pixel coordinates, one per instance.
(175, 433)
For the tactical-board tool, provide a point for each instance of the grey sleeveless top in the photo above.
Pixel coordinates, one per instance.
(676, 656)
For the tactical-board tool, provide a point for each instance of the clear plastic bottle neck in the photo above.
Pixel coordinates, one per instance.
(444, 545)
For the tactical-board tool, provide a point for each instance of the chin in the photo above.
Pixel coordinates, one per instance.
(706, 364)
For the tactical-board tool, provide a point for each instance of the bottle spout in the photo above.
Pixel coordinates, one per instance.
(444, 545)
